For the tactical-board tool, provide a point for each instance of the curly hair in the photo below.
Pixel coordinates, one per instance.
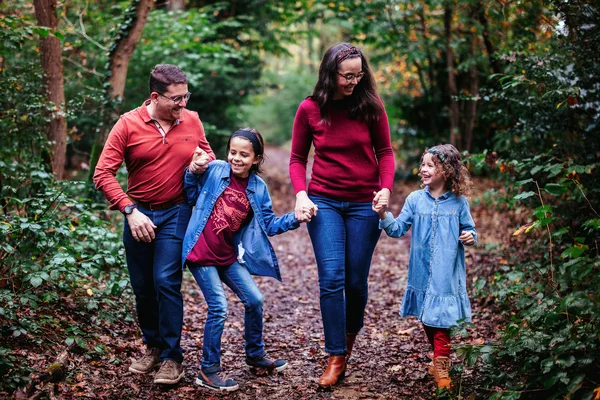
(447, 159)
(364, 102)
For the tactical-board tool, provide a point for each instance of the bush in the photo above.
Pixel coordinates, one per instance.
(59, 258)
(549, 161)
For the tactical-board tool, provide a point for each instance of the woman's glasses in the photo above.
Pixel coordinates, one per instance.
(178, 99)
(350, 77)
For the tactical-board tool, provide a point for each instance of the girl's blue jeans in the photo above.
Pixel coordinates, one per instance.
(155, 273)
(344, 236)
(238, 278)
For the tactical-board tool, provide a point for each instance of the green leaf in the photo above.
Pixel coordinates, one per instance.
(574, 251)
(36, 281)
(524, 195)
(69, 341)
(555, 189)
(42, 31)
(80, 342)
(523, 182)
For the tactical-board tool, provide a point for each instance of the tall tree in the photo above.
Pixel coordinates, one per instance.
(52, 66)
(175, 5)
(118, 63)
(452, 88)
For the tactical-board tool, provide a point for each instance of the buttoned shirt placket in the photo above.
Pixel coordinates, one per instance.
(434, 221)
(162, 131)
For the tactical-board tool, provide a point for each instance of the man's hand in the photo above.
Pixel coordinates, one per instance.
(142, 228)
(200, 161)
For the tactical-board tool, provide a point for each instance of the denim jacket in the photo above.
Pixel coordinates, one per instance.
(255, 251)
(436, 292)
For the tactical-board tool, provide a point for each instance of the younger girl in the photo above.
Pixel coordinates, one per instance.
(226, 241)
(436, 292)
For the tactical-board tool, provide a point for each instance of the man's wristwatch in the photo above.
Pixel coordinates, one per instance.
(129, 209)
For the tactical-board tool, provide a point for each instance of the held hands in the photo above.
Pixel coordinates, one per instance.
(381, 200)
(305, 209)
(200, 161)
(467, 238)
(142, 228)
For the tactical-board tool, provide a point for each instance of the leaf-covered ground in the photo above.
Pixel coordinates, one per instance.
(390, 358)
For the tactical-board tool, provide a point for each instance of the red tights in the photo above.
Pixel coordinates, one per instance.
(439, 339)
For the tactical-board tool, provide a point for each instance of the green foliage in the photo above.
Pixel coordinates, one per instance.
(272, 112)
(56, 253)
(409, 41)
(548, 148)
(218, 50)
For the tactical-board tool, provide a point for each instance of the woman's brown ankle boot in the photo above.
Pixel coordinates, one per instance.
(334, 372)
(350, 339)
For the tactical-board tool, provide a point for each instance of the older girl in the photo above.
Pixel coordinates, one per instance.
(226, 241)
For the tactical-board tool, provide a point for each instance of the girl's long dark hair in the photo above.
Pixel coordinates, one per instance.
(364, 103)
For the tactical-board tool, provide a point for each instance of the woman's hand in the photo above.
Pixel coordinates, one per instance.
(381, 200)
(305, 209)
(380, 204)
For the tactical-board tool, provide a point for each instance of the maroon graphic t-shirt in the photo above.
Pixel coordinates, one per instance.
(232, 210)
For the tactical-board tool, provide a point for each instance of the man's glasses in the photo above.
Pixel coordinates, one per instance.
(350, 77)
(178, 99)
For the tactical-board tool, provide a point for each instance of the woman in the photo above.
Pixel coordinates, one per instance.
(346, 122)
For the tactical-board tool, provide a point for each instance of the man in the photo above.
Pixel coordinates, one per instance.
(157, 141)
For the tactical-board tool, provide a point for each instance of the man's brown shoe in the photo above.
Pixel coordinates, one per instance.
(335, 371)
(170, 373)
(147, 363)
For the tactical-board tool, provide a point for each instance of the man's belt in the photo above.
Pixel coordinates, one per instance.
(153, 207)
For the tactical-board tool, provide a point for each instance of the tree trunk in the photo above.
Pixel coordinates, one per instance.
(119, 57)
(310, 48)
(118, 65)
(429, 92)
(485, 32)
(52, 67)
(175, 5)
(471, 106)
(452, 88)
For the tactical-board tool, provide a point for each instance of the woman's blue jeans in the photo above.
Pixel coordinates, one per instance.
(155, 273)
(344, 235)
(240, 281)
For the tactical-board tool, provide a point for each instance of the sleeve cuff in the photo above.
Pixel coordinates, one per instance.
(387, 221)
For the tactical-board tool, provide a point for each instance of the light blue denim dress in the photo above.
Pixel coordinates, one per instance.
(436, 292)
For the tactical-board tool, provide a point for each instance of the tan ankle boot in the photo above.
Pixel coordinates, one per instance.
(441, 372)
(334, 372)
(350, 339)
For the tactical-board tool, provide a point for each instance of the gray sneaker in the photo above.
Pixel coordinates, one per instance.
(147, 363)
(170, 373)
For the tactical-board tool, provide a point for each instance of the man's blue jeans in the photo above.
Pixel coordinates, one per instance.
(155, 273)
(240, 281)
(344, 236)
